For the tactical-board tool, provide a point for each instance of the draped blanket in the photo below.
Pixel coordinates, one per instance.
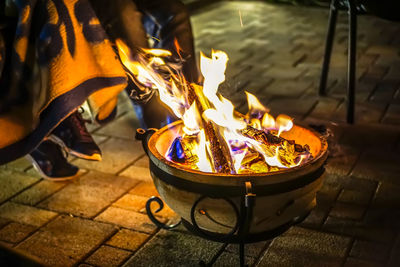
(59, 56)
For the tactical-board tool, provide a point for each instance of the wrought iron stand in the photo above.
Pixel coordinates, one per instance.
(239, 234)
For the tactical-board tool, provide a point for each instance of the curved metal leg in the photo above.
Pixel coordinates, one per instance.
(204, 234)
(328, 47)
(153, 218)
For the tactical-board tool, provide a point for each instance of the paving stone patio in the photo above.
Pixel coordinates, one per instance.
(100, 218)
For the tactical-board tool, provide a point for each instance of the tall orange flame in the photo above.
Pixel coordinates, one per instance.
(150, 67)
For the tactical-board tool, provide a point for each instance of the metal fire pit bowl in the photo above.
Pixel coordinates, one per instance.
(238, 208)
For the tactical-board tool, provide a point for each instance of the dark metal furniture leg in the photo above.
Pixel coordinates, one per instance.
(352, 53)
(328, 46)
(241, 254)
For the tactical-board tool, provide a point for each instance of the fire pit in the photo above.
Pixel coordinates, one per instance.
(232, 177)
(235, 208)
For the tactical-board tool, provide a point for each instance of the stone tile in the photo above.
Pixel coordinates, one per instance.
(302, 247)
(142, 162)
(371, 251)
(252, 250)
(66, 240)
(392, 115)
(89, 195)
(38, 192)
(232, 259)
(145, 189)
(128, 240)
(108, 256)
(128, 219)
(366, 60)
(123, 127)
(16, 232)
(3, 222)
(347, 211)
(20, 165)
(316, 218)
(25, 214)
(394, 259)
(383, 217)
(379, 165)
(126, 107)
(256, 87)
(12, 183)
(138, 204)
(137, 173)
(92, 127)
(364, 112)
(99, 139)
(169, 248)
(352, 262)
(288, 87)
(116, 155)
(385, 207)
(330, 189)
(387, 196)
(359, 184)
(283, 73)
(325, 108)
(357, 229)
(131, 202)
(382, 50)
(375, 74)
(341, 158)
(364, 91)
(292, 106)
(355, 196)
(384, 91)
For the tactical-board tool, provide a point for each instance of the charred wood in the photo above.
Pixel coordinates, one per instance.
(219, 149)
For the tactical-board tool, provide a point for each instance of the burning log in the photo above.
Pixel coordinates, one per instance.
(262, 136)
(253, 162)
(289, 153)
(182, 149)
(220, 152)
(267, 138)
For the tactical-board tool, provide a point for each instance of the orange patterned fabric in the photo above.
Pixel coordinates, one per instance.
(60, 57)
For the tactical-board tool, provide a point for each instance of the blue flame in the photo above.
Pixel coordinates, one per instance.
(169, 120)
(176, 151)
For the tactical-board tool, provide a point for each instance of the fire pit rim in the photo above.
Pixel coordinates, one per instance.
(152, 143)
(178, 173)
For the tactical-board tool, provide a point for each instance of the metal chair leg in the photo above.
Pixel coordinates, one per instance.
(241, 254)
(352, 53)
(328, 46)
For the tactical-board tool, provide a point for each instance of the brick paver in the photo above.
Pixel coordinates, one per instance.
(90, 195)
(128, 240)
(108, 256)
(100, 219)
(66, 240)
(302, 247)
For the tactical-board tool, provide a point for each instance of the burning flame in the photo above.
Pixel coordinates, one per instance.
(154, 68)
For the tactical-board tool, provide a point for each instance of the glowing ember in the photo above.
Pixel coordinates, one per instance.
(215, 138)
